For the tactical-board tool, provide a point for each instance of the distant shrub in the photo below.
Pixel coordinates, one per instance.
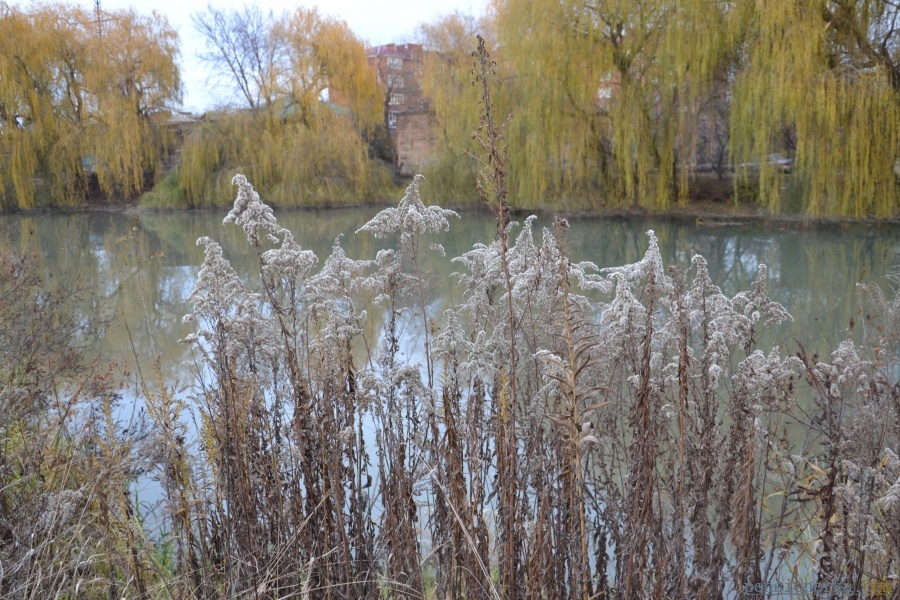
(326, 163)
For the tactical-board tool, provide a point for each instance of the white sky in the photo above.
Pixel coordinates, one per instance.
(376, 22)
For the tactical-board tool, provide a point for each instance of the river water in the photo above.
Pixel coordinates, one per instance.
(142, 265)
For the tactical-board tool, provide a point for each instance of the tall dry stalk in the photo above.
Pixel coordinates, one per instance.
(493, 191)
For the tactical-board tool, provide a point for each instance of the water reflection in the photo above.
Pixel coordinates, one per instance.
(142, 266)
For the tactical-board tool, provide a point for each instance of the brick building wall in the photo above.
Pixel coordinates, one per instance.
(413, 138)
(407, 114)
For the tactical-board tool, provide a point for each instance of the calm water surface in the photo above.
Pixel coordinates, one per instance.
(142, 266)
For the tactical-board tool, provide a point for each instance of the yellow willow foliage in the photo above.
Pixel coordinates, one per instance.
(814, 76)
(135, 76)
(617, 101)
(290, 161)
(609, 94)
(556, 113)
(324, 54)
(447, 83)
(28, 127)
(78, 90)
(201, 159)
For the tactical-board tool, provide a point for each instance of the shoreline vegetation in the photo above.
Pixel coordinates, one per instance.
(779, 110)
(707, 213)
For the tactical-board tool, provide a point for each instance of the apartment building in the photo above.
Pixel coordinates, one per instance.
(408, 117)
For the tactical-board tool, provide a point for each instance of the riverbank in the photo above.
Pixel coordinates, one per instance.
(702, 212)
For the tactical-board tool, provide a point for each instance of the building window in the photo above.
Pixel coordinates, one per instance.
(394, 81)
(392, 120)
(396, 99)
(605, 91)
(394, 62)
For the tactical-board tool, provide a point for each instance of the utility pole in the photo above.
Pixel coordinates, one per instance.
(98, 13)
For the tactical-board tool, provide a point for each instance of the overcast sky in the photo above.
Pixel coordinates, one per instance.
(376, 22)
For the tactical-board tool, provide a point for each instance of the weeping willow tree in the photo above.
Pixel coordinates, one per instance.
(40, 131)
(450, 173)
(135, 77)
(815, 82)
(295, 146)
(820, 79)
(324, 54)
(625, 101)
(609, 96)
(296, 162)
(79, 90)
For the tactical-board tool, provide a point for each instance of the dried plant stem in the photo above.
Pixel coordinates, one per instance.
(641, 485)
(492, 187)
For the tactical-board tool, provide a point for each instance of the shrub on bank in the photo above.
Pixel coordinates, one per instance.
(320, 163)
